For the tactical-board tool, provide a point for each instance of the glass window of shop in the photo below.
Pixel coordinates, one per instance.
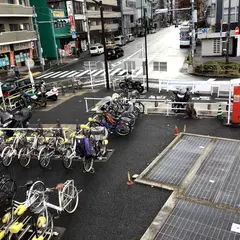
(78, 8)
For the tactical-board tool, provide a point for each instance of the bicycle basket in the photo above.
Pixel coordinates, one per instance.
(99, 133)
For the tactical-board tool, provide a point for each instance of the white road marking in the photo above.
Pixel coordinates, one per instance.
(44, 75)
(69, 73)
(115, 71)
(122, 72)
(57, 75)
(83, 73)
(98, 73)
(52, 74)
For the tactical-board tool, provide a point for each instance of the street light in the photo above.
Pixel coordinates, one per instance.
(103, 42)
(146, 53)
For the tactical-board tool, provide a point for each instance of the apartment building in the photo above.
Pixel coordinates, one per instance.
(128, 18)
(17, 36)
(111, 19)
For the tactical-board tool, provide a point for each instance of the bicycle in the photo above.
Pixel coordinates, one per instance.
(12, 150)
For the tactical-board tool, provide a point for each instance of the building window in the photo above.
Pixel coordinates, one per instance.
(14, 27)
(55, 4)
(216, 46)
(233, 14)
(78, 8)
(79, 25)
(2, 29)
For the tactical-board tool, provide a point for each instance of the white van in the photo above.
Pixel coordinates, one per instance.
(120, 40)
(130, 37)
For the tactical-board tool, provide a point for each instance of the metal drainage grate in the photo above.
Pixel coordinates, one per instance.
(190, 221)
(218, 178)
(175, 164)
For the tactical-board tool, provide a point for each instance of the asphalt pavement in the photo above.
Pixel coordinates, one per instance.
(108, 208)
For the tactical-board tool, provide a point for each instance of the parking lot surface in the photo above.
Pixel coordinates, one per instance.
(108, 208)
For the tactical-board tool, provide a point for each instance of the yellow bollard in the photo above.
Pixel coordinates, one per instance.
(185, 128)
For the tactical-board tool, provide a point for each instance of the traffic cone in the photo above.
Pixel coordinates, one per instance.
(219, 113)
(129, 182)
(176, 131)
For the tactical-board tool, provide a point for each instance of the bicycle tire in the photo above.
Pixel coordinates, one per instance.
(122, 126)
(44, 161)
(10, 187)
(24, 157)
(87, 164)
(69, 192)
(66, 160)
(6, 159)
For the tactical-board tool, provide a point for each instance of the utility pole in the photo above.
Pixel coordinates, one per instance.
(193, 31)
(228, 31)
(146, 53)
(104, 43)
(39, 47)
(87, 23)
(54, 39)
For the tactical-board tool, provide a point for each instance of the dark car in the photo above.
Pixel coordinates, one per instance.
(11, 87)
(114, 52)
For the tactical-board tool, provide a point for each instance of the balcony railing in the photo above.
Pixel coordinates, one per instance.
(14, 10)
(17, 37)
(106, 2)
(96, 14)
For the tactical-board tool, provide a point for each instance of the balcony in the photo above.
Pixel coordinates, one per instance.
(17, 37)
(106, 2)
(108, 27)
(96, 14)
(14, 10)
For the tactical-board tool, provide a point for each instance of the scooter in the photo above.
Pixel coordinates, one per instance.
(129, 84)
(47, 93)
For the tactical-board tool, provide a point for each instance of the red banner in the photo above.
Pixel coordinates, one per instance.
(31, 53)
(12, 60)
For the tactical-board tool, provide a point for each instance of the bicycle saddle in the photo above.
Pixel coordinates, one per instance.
(84, 126)
(29, 183)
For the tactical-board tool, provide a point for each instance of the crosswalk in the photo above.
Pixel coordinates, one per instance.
(85, 73)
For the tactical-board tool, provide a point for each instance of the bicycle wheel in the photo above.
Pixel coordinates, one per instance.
(32, 193)
(87, 163)
(24, 156)
(44, 157)
(140, 106)
(67, 158)
(69, 198)
(9, 187)
(123, 129)
(7, 156)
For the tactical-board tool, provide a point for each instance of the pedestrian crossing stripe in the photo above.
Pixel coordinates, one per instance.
(94, 73)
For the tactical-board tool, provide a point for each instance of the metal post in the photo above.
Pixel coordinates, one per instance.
(38, 39)
(228, 31)
(193, 32)
(229, 103)
(104, 45)
(86, 104)
(146, 54)
(89, 65)
(87, 23)
(54, 39)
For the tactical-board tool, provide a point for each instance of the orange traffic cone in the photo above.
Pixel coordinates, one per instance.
(176, 131)
(129, 182)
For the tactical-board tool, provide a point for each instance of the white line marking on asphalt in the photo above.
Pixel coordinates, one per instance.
(72, 75)
(98, 73)
(122, 72)
(57, 75)
(93, 71)
(69, 73)
(115, 71)
(44, 75)
(83, 73)
(52, 74)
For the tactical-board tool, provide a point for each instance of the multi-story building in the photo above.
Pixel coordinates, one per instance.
(111, 20)
(17, 35)
(60, 26)
(144, 5)
(128, 16)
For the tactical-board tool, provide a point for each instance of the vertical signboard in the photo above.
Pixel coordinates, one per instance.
(12, 60)
(71, 18)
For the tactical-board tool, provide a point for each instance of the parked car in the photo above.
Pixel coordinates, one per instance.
(96, 49)
(11, 87)
(120, 41)
(114, 52)
(130, 37)
(153, 31)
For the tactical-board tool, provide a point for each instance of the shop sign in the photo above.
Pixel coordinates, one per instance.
(58, 14)
(5, 48)
(68, 50)
(20, 46)
(71, 18)
(69, 8)
(12, 59)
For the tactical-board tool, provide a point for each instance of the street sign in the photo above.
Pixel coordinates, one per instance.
(160, 66)
(164, 10)
(237, 31)
(29, 62)
(204, 30)
(129, 65)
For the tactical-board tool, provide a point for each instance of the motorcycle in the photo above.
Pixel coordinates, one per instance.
(47, 93)
(31, 99)
(129, 84)
(180, 98)
(19, 119)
